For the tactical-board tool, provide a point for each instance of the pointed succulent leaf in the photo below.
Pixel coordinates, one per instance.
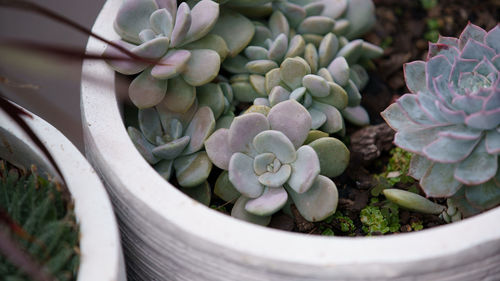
(292, 70)
(261, 66)
(412, 201)
(238, 211)
(492, 39)
(485, 120)
(341, 26)
(294, 125)
(201, 193)
(152, 49)
(212, 42)
(127, 67)
(211, 95)
(171, 65)
(416, 140)
(171, 150)
(333, 156)
(224, 189)
(200, 128)
(358, 73)
(492, 142)
(144, 147)
(150, 124)
(327, 49)
(478, 168)
(182, 24)
(298, 94)
(296, 47)
(192, 170)
(396, 118)
(244, 129)
(319, 202)
(316, 85)
(258, 82)
(353, 95)
(235, 29)
(334, 121)
(180, 96)
(217, 147)
(204, 15)
(438, 181)
(146, 91)
(418, 166)
(278, 48)
(415, 76)
(164, 168)
(277, 143)
(278, 24)
(277, 179)
(314, 9)
(449, 150)
(320, 25)
(371, 51)
(352, 51)
(312, 57)
(273, 79)
(202, 67)
(305, 169)
(471, 31)
(161, 22)
(271, 201)
(339, 69)
(133, 17)
(242, 175)
(484, 196)
(167, 116)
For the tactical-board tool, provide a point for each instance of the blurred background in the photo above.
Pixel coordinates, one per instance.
(47, 86)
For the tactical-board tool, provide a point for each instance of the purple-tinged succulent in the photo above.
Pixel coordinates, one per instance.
(451, 119)
(267, 164)
(176, 37)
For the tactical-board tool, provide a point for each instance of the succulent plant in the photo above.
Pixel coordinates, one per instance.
(172, 141)
(451, 119)
(267, 164)
(175, 37)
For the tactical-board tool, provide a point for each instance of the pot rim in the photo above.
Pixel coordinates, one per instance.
(101, 255)
(109, 145)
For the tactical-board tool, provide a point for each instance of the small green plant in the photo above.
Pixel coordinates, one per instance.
(432, 33)
(49, 232)
(428, 4)
(395, 172)
(380, 219)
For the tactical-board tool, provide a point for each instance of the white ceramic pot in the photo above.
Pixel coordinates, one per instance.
(168, 236)
(101, 254)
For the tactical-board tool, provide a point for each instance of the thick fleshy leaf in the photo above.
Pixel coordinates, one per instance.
(161, 22)
(182, 24)
(411, 107)
(202, 67)
(258, 82)
(224, 189)
(334, 9)
(180, 95)
(278, 94)
(493, 142)
(294, 13)
(476, 50)
(416, 140)
(167, 116)
(133, 17)
(438, 181)
(238, 211)
(171, 150)
(316, 25)
(484, 196)
(449, 150)
(353, 95)
(478, 168)
(471, 31)
(172, 64)
(201, 193)
(296, 47)
(200, 128)
(314, 9)
(371, 51)
(204, 15)
(316, 85)
(418, 166)
(486, 120)
(211, 95)
(339, 69)
(262, 162)
(224, 121)
(276, 179)
(244, 129)
(152, 49)
(319, 202)
(217, 147)
(299, 95)
(127, 67)
(327, 49)
(235, 29)
(435, 67)
(277, 143)
(415, 76)
(242, 175)
(256, 53)
(359, 76)
(278, 48)
(292, 119)
(278, 24)
(334, 121)
(314, 135)
(352, 51)
(170, 5)
(273, 79)
(333, 156)
(318, 118)
(492, 39)
(337, 97)
(212, 42)
(396, 119)
(244, 92)
(361, 16)
(262, 33)
(292, 70)
(413, 201)
(271, 201)
(146, 91)
(261, 66)
(164, 168)
(312, 57)
(236, 65)
(305, 169)
(149, 123)
(144, 147)
(356, 115)
(192, 170)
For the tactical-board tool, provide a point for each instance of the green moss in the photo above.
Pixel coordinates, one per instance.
(428, 4)
(381, 219)
(327, 232)
(416, 225)
(395, 172)
(40, 208)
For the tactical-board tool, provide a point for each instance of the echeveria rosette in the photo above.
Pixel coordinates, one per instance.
(267, 164)
(177, 38)
(451, 118)
(172, 141)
